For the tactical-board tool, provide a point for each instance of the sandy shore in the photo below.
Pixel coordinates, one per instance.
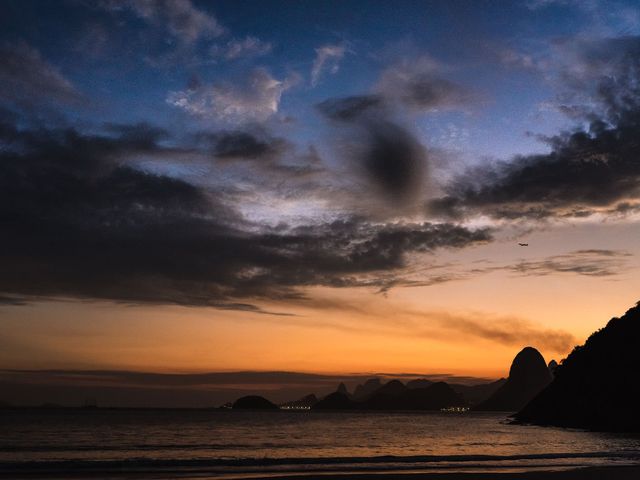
(587, 473)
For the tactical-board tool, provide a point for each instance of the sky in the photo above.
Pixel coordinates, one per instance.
(337, 189)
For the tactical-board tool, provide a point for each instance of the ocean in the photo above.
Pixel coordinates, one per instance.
(235, 443)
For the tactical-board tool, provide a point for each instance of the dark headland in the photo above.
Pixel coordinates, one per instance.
(254, 402)
(597, 386)
(528, 375)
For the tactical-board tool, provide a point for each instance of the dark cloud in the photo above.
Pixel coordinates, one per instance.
(416, 88)
(140, 136)
(82, 222)
(592, 263)
(587, 171)
(390, 155)
(348, 109)
(239, 144)
(593, 169)
(372, 129)
(394, 159)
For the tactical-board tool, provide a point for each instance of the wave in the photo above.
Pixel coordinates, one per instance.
(378, 461)
(126, 448)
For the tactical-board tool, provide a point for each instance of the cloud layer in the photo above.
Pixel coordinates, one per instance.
(86, 223)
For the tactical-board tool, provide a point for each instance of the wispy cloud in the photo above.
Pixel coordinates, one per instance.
(328, 58)
(235, 49)
(377, 318)
(591, 263)
(418, 84)
(180, 17)
(255, 100)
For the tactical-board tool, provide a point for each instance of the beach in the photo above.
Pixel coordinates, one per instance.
(586, 473)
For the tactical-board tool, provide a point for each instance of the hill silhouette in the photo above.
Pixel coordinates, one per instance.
(475, 394)
(370, 386)
(528, 375)
(394, 395)
(254, 402)
(419, 383)
(307, 401)
(387, 397)
(335, 401)
(472, 394)
(434, 397)
(392, 388)
(342, 388)
(596, 386)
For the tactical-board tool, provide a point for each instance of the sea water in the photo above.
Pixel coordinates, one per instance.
(221, 443)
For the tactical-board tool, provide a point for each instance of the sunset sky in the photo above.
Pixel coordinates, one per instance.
(335, 188)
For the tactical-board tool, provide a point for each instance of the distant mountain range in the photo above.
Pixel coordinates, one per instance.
(528, 375)
(305, 402)
(394, 395)
(596, 386)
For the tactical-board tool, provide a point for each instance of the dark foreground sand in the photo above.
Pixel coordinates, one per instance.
(588, 473)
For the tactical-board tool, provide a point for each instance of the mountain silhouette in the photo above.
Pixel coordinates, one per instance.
(596, 386)
(475, 394)
(342, 388)
(552, 367)
(254, 402)
(419, 383)
(394, 395)
(307, 401)
(335, 401)
(392, 388)
(386, 397)
(370, 386)
(528, 375)
(434, 397)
